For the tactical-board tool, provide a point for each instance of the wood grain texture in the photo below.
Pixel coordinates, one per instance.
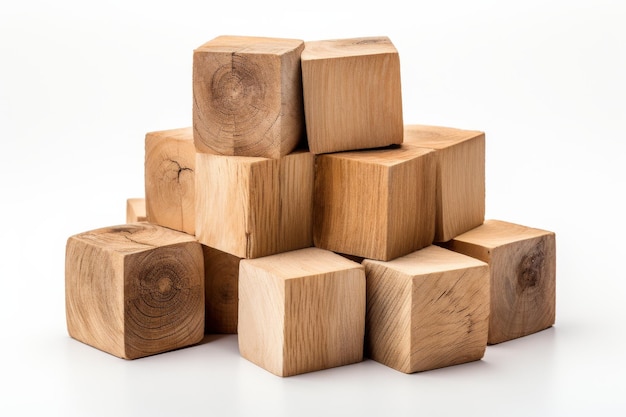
(221, 283)
(134, 290)
(301, 311)
(247, 96)
(170, 160)
(460, 156)
(376, 204)
(427, 310)
(352, 94)
(253, 207)
(522, 262)
(136, 210)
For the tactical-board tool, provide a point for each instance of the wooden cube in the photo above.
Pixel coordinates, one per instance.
(352, 94)
(427, 310)
(135, 210)
(170, 160)
(253, 207)
(247, 96)
(301, 311)
(376, 204)
(460, 156)
(523, 276)
(221, 283)
(134, 290)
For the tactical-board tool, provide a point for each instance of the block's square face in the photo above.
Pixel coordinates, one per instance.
(252, 207)
(460, 156)
(301, 311)
(352, 94)
(376, 204)
(427, 310)
(170, 161)
(522, 262)
(248, 96)
(135, 290)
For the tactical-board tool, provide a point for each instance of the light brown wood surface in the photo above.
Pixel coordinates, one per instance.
(134, 290)
(247, 96)
(352, 94)
(252, 207)
(221, 283)
(170, 160)
(136, 210)
(301, 311)
(427, 310)
(522, 264)
(376, 204)
(460, 156)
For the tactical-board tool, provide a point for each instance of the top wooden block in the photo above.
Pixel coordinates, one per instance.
(460, 158)
(352, 94)
(247, 96)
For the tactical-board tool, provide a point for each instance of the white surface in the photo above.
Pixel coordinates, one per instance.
(81, 84)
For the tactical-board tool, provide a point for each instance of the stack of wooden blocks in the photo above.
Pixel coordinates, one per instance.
(302, 214)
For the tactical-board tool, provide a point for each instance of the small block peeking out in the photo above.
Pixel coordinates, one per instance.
(134, 290)
(135, 210)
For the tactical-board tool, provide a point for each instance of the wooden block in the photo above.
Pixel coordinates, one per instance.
(427, 310)
(376, 204)
(352, 94)
(301, 311)
(523, 276)
(221, 283)
(460, 156)
(170, 159)
(247, 96)
(134, 290)
(135, 210)
(253, 207)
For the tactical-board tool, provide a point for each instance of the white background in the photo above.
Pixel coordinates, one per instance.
(82, 82)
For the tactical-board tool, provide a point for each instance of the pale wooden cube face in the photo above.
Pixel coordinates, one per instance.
(427, 310)
(450, 316)
(293, 320)
(375, 204)
(251, 207)
(170, 161)
(135, 290)
(352, 94)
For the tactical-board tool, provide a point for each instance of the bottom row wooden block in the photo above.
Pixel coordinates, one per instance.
(134, 290)
(522, 263)
(427, 310)
(301, 311)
